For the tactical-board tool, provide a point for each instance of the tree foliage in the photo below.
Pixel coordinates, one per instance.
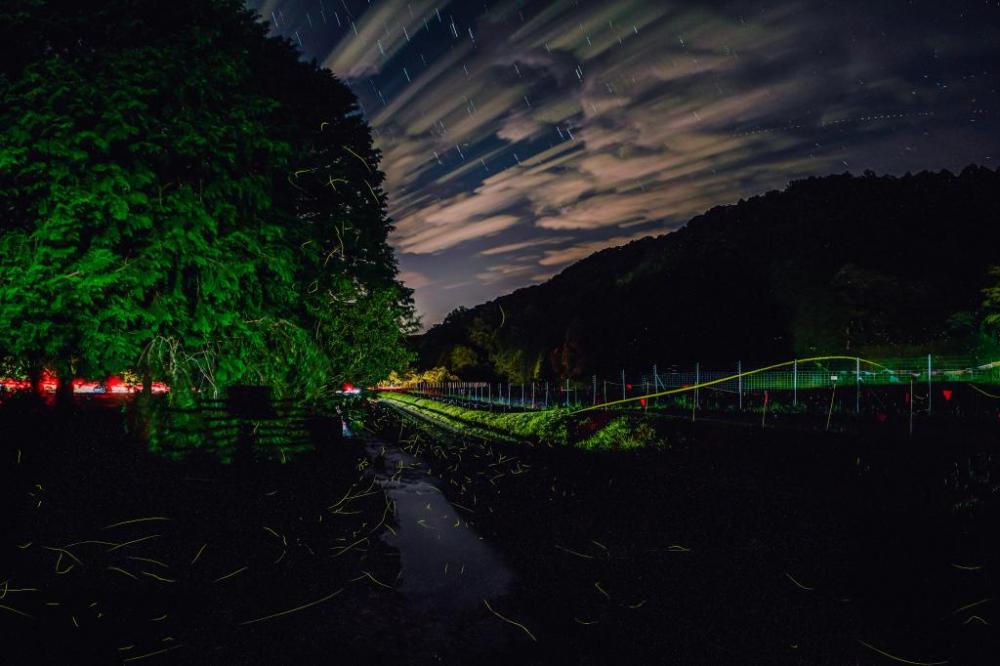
(182, 194)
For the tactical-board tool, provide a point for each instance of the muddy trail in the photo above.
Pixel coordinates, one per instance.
(735, 545)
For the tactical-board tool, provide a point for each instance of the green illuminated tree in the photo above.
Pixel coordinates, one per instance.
(180, 194)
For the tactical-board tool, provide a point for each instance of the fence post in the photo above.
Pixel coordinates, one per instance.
(795, 383)
(857, 387)
(930, 392)
(739, 386)
(567, 391)
(624, 395)
(911, 405)
(532, 395)
(605, 390)
(656, 384)
(522, 394)
(697, 380)
(593, 380)
(508, 394)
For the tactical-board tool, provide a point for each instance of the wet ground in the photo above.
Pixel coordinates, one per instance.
(446, 567)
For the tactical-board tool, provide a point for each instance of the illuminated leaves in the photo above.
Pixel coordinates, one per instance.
(151, 217)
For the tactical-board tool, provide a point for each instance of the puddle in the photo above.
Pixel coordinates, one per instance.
(446, 566)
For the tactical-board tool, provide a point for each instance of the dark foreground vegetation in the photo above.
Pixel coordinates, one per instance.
(109, 553)
(720, 544)
(738, 545)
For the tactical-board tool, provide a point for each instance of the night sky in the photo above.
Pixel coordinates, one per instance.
(521, 136)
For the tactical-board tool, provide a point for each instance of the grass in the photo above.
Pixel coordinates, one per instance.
(554, 427)
(621, 433)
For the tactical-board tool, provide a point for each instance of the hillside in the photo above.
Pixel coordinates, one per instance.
(834, 264)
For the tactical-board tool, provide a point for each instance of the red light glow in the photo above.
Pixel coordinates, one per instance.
(49, 383)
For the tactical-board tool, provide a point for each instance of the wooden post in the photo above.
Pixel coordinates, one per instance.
(697, 380)
(739, 385)
(833, 393)
(930, 392)
(857, 386)
(911, 405)
(795, 383)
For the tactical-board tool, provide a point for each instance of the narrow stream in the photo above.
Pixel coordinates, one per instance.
(446, 567)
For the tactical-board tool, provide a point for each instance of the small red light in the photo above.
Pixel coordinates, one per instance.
(947, 394)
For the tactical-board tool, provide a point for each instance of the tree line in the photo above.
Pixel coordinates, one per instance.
(183, 196)
(858, 265)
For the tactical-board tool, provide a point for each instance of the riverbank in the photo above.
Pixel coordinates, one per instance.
(738, 545)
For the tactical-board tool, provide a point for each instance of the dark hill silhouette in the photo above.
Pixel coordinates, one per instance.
(835, 264)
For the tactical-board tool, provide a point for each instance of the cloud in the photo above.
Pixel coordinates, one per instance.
(518, 127)
(372, 44)
(559, 127)
(437, 238)
(579, 251)
(414, 280)
(503, 272)
(523, 245)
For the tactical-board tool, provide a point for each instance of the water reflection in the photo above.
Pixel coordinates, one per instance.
(446, 566)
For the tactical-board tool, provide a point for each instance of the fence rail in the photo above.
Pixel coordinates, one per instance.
(794, 383)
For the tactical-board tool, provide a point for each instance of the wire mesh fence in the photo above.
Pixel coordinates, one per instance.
(830, 383)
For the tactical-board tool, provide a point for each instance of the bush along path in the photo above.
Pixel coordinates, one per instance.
(553, 427)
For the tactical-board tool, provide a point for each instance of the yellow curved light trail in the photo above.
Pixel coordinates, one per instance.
(713, 382)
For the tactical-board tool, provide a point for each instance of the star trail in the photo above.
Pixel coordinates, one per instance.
(519, 137)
